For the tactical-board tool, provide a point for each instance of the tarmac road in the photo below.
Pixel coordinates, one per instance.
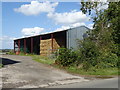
(98, 83)
(23, 72)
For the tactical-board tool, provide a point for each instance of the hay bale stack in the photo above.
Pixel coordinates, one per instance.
(46, 46)
(55, 44)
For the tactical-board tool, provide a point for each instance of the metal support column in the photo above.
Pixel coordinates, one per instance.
(40, 37)
(19, 45)
(31, 44)
(24, 45)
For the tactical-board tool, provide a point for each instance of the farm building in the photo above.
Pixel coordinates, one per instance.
(45, 44)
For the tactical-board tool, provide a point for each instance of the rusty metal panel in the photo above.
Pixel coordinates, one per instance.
(24, 45)
(31, 44)
(75, 34)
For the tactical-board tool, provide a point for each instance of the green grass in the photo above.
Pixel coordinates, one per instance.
(72, 69)
(75, 70)
(107, 71)
(1, 65)
(27, 54)
(21, 54)
(42, 59)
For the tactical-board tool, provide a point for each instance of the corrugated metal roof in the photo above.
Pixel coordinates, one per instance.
(49, 33)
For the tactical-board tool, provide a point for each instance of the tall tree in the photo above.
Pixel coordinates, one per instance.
(104, 35)
(106, 22)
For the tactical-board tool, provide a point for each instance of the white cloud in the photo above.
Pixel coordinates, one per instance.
(62, 28)
(6, 42)
(32, 31)
(102, 6)
(75, 18)
(35, 8)
(70, 26)
(98, 1)
(90, 25)
(69, 17)
(6, 38)
(78, 24)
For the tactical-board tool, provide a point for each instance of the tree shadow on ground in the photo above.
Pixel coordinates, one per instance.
(6, 61)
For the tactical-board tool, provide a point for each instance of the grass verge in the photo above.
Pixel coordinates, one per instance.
(107, 71)
(75, 70)
(42, 59)
(1, 65)
(72, 69)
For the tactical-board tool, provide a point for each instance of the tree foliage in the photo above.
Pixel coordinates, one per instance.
(101, 48)
(106, 31)
(105, 21)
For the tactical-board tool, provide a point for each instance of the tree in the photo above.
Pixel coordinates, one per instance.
(109, 18)
(105, 34)
(106, 22)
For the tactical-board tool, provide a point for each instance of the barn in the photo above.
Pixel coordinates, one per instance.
(45, 44)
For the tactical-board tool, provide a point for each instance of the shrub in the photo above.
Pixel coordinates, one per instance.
(107, 60)
(91, 55)
(66, 57)
(88, 53)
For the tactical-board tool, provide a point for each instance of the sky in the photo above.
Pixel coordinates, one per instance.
(21, 19)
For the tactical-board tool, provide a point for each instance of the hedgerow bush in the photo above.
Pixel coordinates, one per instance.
(88, 55)
(107, 60)
(66, 57)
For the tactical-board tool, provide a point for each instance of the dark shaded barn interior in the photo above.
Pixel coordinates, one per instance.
(41, 44)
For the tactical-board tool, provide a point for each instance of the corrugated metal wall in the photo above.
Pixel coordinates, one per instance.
(74, 34)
